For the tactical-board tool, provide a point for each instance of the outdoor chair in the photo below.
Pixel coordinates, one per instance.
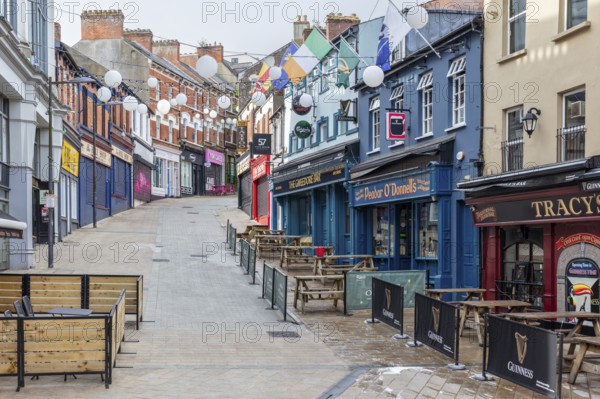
(19, 308)
(27, 305)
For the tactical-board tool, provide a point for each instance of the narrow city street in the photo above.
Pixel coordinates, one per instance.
(206, 333)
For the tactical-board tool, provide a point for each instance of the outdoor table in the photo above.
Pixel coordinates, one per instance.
(480, 308)
(472, 293)
(327, 264)
(318, 288)
(70, 312)
(296, 255)
(585, 344)
(274, 242)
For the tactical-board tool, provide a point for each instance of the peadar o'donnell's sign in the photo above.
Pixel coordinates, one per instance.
(393, 190)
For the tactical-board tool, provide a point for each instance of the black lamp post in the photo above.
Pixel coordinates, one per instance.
(51, 162)
(530, 120)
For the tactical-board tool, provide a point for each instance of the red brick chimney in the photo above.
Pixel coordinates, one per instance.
(57, 32)
(336, 24)
(167, 49)
(215, 51)
(189, 58)
(143, 37)
(102, 24)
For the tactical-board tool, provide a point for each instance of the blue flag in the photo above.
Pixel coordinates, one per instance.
(393, 31)
(284, 79)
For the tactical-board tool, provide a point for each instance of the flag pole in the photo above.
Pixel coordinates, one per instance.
(416, 30)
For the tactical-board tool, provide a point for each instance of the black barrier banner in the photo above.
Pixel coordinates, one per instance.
(244, 254)
(524, 355)
(252, 263)
(388, 303)
(268, 283)
(280, 294)
(435, 325)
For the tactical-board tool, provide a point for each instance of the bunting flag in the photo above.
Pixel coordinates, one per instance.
(308, 56)
(264, 82)
(347, 61)
(394, 29)
(284, 79)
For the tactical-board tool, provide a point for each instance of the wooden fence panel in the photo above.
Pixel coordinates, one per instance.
(11, 289)
(51, 291)
(9, 347)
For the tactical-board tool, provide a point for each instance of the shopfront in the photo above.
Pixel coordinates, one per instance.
(541, 237)
(214, 163)
(244, 183)
(121, 195)
(165, 179)
(102, 180)
(143, 164)
(261, 198)
(68, 197)
(192, 173)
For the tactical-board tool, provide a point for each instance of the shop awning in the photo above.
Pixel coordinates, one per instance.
(431, 147)
(11, 227)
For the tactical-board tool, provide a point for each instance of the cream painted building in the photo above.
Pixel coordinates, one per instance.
(537, 199)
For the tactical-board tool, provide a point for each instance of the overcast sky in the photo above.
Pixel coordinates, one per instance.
(256, 27)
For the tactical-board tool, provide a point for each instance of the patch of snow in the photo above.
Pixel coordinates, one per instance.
(398, 370)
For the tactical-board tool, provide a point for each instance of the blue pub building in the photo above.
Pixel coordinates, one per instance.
(407, 211)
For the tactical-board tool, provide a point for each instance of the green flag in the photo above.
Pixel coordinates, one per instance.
(347, 62)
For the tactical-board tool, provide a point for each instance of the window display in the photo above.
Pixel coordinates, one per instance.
(428, 230)
(404, 229)
(383, 232)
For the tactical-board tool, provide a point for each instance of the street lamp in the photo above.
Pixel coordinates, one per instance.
(530, 120)
(51, 162)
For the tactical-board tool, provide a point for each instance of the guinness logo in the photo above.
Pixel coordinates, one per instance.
(388, 298)
(436, 319)
(521, 347)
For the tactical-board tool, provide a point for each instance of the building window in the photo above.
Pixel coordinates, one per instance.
(8, 9)
(158, 122)
(516, 25)
(576, 12)
(426, 88)
(375, 115)
(38, 30)
(195, 132)
(399, 52)
(186, 174)
(159, 169)
(397, 98)
(74, 200)
(457, 74)
(170, 93)
(4, 129)
(513, 146)
(195, 99)
(170, 131)
(428, 230)
(383, 231)
(157, 91)
(571, 137)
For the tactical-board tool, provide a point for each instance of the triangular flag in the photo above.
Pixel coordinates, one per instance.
(308, 56)
(284, 79)
(393, 31)
(347, 61)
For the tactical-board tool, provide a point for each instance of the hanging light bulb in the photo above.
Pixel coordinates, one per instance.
(152, 83)
(113, 78)
(224, 102)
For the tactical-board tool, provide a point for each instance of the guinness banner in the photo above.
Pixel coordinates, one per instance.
(388, 303)
(524, 355)
(435, 325)
(359, 288)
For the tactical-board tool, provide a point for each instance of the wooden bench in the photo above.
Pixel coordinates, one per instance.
(586, 344)
(296, 256)
(318, 288)
(248, 234)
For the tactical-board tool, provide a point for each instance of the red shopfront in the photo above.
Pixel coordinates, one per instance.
(542, 246)
(261, 198)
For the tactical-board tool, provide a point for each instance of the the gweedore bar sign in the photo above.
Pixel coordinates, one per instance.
(578, 205)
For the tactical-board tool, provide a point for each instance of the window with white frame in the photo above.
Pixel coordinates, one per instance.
(576, 12)
(324, 130)
(572, 135)
(517, 18)
(195, 132)
(399, 52)
(170, 131)
(457, 75)
(170, 93)
(513, 147)
(4, 129)
(426, 88)
(195, 99)
(397, 98)
(157, 91)
(74, 201)
(158, 122)
(375, 117)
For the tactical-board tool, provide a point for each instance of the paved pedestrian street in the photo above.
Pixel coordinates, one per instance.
(207, 334)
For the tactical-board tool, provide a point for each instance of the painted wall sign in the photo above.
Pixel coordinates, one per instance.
(582, 291)
(551, 208)
(393, 190)
(575, 239)
(325, 175)
(214, 157)
(70, 159)
(589, 186)
(259, 169)
(396, 126)
(243, 164)
(119, 153)
(102, 157)
(303, 130)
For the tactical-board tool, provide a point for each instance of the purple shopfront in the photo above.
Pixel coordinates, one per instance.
(213, 163)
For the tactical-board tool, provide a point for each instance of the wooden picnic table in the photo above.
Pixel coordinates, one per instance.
(572, 337)
(327, 264)
(318, 288)
(294, 255)
(480, 308)
(472, 293)
(273, 243)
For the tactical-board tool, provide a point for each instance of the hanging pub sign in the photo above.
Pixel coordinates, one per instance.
(303, 130)
(299, 109)
(261, 144)
(347, 111)
(242, 135)
(396, 126)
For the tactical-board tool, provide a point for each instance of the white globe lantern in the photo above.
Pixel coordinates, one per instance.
(306, 100)
(224, 102)
(207, 66)
(152, 82)
(173, 102)
(130, 103)
(104, 94)
(213, 114)
(113, 78)
(373, 76)
(142, 109)
(258, 98)
(275, 73)
(181, 99)
(417, 17)
(163, 107)
(229, 121)
(206, 111)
